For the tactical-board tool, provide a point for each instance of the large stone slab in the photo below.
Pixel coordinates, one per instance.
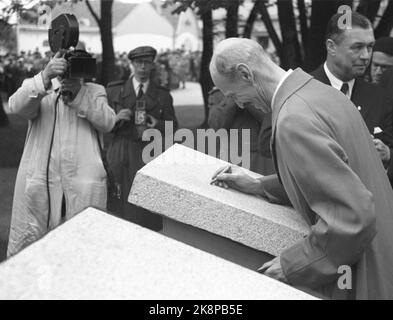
(177, 185)
(97, 256)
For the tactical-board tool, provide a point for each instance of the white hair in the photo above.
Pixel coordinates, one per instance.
(230, 52)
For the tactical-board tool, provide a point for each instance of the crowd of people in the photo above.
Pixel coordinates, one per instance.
(325, 139)
(172, 68)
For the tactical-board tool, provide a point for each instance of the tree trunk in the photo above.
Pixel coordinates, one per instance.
(269, 25)
(290, 57)
(3, 115)
(105, 25)
(386, 24)
(231, 23)
(205, 79)
(322, 11)
(303, 23)
(369, 8)
(250, 22)
(108, 55)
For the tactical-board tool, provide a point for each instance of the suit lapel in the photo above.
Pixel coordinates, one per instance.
(296, 80)
(358, 97)
(321, 75)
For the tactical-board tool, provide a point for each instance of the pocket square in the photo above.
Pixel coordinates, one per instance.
(377, 130)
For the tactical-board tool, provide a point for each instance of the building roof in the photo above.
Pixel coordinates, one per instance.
(119, 11)
(139, 21)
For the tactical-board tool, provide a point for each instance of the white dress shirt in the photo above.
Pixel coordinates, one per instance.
(337, 83)
(136, 84)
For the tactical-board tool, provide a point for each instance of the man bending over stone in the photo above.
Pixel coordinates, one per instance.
(327, 167)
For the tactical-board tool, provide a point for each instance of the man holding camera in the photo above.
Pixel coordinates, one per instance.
(140, 104)
(61, 171)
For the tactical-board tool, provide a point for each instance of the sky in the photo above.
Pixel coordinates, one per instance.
(3, 3)
(31, 3)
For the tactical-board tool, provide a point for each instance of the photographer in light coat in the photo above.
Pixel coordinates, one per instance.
(61, 171)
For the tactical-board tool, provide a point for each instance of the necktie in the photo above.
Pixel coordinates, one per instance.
(140, 92)
(345, 88)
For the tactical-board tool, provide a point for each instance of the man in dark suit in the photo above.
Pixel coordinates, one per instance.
(139, 104)
(348, 56)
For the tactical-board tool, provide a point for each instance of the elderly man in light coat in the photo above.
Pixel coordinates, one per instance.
(61, 171)
(327, 167)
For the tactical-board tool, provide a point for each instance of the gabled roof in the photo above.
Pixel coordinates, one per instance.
(119, 11)
(145, 19)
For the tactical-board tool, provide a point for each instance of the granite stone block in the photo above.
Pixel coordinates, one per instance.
(177, 185)
(97, 256)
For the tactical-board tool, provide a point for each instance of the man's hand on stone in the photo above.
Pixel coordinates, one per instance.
(57, 66)
(383, 150)
(273, 270)
(236, 178)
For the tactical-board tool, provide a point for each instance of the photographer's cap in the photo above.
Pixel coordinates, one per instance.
(144, 51)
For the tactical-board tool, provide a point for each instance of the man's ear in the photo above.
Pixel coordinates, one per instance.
(331, 47)
(245, 72)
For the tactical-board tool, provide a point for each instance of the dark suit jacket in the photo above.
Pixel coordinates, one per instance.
(159, 103)
(125, 150)
(329, 168)
(375, 108)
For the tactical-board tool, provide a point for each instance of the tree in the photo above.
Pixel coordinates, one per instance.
(369, 8)
(204, 9)
(105, 24)
(301, 6)
(232, 19)
(252, 17)
(385, 25)
(290, 51)
(7, 36)
(262, 6)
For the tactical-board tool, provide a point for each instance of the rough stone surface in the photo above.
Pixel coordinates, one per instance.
(177, 185)
(98, 256)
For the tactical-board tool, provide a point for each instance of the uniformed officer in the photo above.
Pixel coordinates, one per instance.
(133, 117)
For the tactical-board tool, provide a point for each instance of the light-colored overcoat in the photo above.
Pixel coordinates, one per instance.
(76, 173)
(332, 175)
